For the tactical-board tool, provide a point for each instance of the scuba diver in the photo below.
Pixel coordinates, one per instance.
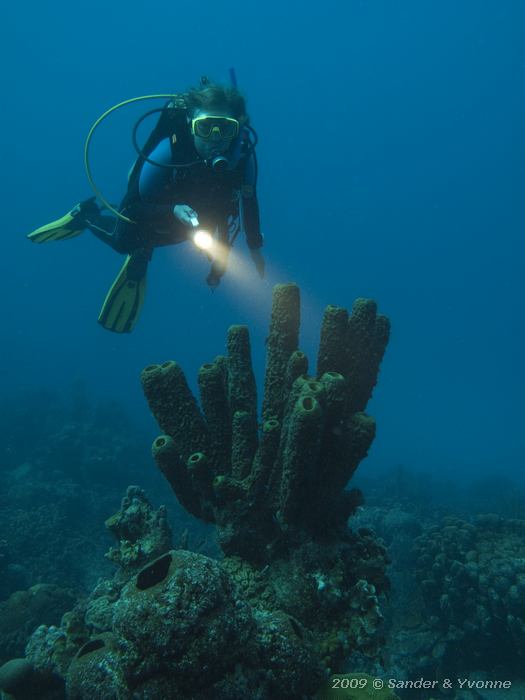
(197, 170)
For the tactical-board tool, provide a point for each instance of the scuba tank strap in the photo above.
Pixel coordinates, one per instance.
(172, 125)
(181, 142)
(171, 119)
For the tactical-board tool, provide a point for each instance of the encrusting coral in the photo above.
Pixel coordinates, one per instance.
(279, 484)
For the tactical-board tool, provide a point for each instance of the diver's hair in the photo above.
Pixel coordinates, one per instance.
(215, 96)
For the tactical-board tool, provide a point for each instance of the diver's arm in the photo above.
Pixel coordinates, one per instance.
(251, 222)
(151, 204)
(250, 216)
(254, 237)
(250, 206)
(155, 178)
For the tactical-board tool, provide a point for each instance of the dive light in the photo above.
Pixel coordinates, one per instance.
(202, 239)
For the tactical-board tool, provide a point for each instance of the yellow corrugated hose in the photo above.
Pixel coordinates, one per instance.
(90, 136)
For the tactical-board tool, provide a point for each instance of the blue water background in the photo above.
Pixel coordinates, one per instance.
(391, 166)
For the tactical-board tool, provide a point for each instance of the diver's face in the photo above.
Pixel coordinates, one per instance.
(214, 145)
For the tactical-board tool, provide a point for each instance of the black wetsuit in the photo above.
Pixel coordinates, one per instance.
(224, 201)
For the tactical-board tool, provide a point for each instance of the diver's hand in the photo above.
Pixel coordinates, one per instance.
(216, 272)
(213, 279)
(184, 213)
(259, 262)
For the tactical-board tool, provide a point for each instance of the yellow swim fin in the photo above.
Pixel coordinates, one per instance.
(70, 225)
(121, 308)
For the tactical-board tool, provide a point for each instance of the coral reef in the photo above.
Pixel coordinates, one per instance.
(142, 533)
(12, 576)
(445, 616)
(69, 434)
(22, 681)
(61, 518)
(188, 626)
(297, 590)
(472, 576)
(65, 465)
(272, 487)
(24, 610)
(177, 615)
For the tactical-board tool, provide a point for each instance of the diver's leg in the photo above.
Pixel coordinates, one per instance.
(121, 308)
(68, 226)
(122, 236)
(103, 228)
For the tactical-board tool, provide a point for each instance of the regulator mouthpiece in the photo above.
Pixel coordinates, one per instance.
(220, 163)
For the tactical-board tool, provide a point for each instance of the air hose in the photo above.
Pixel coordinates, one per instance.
(88, 142)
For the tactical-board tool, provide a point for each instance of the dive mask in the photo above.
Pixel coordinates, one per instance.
(209, 126)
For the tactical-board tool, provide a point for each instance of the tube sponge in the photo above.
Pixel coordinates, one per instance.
(242, 391)
(283, 340)
(367, 338)
(216, 409)
(175, 408)
(269, 487)
(333, 349)
(168, 459)
(300, 456)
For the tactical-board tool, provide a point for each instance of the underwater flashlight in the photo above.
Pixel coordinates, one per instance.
(203, 239)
